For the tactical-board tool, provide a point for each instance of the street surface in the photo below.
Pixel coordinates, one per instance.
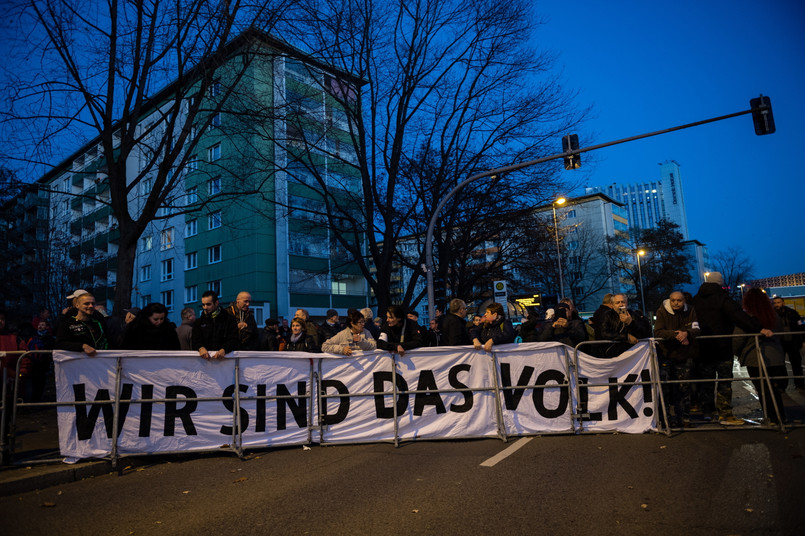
(699, 482)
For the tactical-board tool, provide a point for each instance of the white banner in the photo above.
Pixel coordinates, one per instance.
(441, 393)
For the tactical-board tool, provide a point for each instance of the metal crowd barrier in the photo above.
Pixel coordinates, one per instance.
(10, 404)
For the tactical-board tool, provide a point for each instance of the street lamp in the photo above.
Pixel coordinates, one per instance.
(560, 201)
(741, 286)
(639, 253)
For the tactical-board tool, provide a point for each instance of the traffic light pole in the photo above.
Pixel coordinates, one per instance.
(428, 267)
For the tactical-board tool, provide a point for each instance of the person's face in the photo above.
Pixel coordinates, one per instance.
(85, 305)
(490, 317)
(42, 326)
(296, 328)
(208, 304)
(434, 325)
(378, 322)
(777, 303)
(477, 320)
(462, 311)
(243, 301)
(300, 314)
(677, 301)
(413, 317)
(157, 319)
(392, 320)
(334, 319)
(284, 323)
(619, 302)
(192, 317)
(358, 327)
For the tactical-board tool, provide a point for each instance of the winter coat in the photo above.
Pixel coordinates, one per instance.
(72, 334)
(770, 347)
(612, 329)
(215, 331)
(454, 331)
(791, 322)
(668, 323)
(571, 335)
(407, 332)
(306, 343)
(719, 314)
(185, 334)
(143, 335)
(248, 337)
(501, 332)
(336, 343)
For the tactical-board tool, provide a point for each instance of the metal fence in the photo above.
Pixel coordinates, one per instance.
(11, 402)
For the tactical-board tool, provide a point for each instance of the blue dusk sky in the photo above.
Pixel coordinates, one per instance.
(646, 66)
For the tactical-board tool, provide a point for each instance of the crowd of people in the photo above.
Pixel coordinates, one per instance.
(679, 323)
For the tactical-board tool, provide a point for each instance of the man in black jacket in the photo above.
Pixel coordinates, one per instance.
(247, 326)
(791, 343)
(215, 330)
(718, 314)
(623, 326)
(454, 325)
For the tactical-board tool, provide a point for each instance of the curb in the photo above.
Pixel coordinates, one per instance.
(23, 479)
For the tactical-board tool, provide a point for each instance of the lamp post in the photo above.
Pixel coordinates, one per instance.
(741, 286)
(560, 201)
(639, 253)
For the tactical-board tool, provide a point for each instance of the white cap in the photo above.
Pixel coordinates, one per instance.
(77, 293)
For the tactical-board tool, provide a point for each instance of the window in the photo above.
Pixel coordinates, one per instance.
(147, 242)
(214, 254)
(191, 261)
(145, 273)
(191, 195)
(214, 186)
(145, 300)
(167, 270)
(191, 294)
(214, 286)
(214, 152)
(146, 185)
(215, 122)
(214, 220)
(339, 287)
(571, 213)
(166, 239)
(167, 299)
(190, 228)
(192, 163)
(66, 207)
(215, 89)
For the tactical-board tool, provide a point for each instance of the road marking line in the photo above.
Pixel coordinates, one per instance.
(502, 455)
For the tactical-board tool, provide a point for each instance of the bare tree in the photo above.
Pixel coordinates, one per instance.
(734, 265)
(444, 89)
(141, 80)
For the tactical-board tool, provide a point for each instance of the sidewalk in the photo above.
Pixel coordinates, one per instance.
(36, 463)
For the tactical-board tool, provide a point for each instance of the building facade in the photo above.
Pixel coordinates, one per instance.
(249, 213)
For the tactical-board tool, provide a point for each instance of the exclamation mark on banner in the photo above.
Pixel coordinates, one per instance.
(645, 376)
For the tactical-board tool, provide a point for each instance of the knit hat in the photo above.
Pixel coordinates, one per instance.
(714, 277)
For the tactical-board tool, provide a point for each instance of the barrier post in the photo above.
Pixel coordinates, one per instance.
(394, 399)
(5, 451)
(764, 377)
(498, 409)
(659, 395)
(237, 431)
(114, 456)
(320, 403)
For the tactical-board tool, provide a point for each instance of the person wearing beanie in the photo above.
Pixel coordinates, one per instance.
(331, 326)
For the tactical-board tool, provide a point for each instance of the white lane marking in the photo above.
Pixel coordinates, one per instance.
(502, 455)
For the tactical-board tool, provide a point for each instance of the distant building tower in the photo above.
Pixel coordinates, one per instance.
(648, 202)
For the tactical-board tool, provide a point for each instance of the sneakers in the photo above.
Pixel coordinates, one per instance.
(730, 420)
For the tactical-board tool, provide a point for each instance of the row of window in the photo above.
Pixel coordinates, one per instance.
(190, 261)
(190, 295)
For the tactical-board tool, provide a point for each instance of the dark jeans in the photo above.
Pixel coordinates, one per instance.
(677, 395)
(795, 358)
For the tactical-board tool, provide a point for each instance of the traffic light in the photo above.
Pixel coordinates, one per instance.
(571, 143)
(761, 116)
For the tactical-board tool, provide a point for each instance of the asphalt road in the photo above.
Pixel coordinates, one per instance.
(700, 482)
